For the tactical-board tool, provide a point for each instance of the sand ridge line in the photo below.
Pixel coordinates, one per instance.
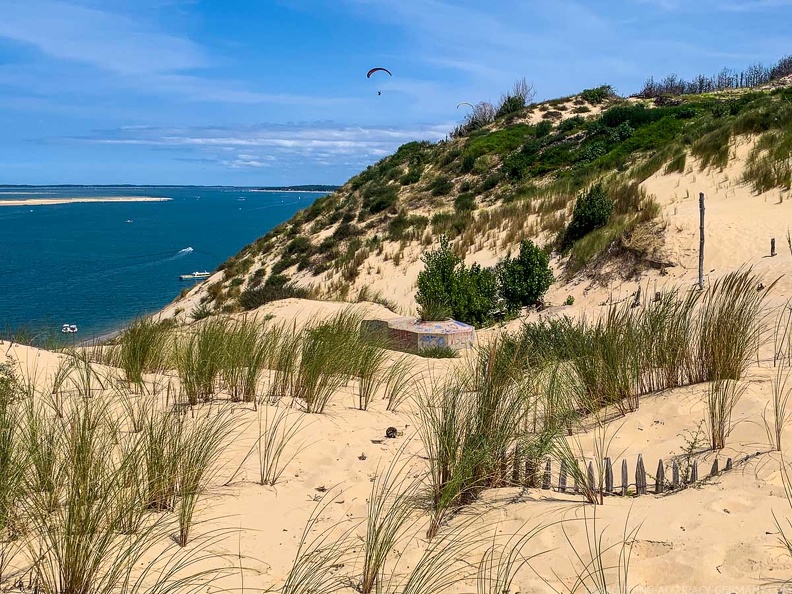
(53, 201)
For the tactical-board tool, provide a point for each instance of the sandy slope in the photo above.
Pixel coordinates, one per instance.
(719, 534)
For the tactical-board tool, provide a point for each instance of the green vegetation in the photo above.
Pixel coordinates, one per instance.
(495, 158)
(598, 95)
(473, 294)
(592, 211)
(525, 279)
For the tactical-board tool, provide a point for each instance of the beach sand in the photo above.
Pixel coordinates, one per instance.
(53, 201)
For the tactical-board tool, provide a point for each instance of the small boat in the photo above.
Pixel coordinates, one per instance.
(195, 275)
(69, 329)
(129, 221)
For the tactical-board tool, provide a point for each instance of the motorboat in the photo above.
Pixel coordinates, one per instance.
(195, 275)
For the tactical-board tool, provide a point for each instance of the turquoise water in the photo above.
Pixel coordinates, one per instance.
(85, 264)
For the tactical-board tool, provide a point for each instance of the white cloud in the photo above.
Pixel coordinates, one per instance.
(267, 145)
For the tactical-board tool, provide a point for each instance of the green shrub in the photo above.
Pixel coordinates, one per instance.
(379, 197)
(474, 294)
(597, 95)
(298, 245)
(284, 263)
(468, 163)
(436, 280)
(446, 286)
(592, 211)
(465, 202)
(441, 186)
(543, 129)
(490, 182)
(525, 279)
(571, 124)
(412, 176)
(253, 298)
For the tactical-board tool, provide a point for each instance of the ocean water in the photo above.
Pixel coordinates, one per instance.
(100, 265)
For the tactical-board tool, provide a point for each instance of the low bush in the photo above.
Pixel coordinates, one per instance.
(441, 186)
(465, 202)
(597, 95)
(525, 279)
(253, 298)
(592, 211)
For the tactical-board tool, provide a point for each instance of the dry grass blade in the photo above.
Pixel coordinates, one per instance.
(500, 563)
(276, 432)
(599, 567)
(202, 443)
(391, 508)
(399, 382)
(722, 398)
(316, 563)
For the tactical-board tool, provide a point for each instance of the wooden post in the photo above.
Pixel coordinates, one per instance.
(530, 472)
(562, 477)
(675, 474)
(516, 466)
(701, 241)
(714, 470)
(608, 476)
(694, 472)
(660, 478)
(547, 474)
(772, 247)
(625, 481)
(728, 464)
(637, 302)
(640, 476)
(590, 477)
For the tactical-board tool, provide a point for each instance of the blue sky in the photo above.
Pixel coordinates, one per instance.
(269, 92)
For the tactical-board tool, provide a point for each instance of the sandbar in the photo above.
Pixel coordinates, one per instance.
(51, 201)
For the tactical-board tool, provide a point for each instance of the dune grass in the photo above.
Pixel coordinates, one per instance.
(277, 430)
(391, 507)
(318, 558)
(143, 347)
(203, 442)
(200, 355)
(598, 567)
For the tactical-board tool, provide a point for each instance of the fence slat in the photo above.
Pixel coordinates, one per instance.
(728, 464)
(624, 480)
(675, 474)
(608, 476)
(694, 472)
(640, 476)
(714, 470)
(516, 465)
(547, 475)
(590, 477)
(530, 472)
(562, 477)
(660, 478)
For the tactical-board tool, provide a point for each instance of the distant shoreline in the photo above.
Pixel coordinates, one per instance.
(292, 191)
(53, 201)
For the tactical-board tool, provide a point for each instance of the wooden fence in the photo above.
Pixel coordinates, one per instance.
(527, 472)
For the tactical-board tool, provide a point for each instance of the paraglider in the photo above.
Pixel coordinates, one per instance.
(373, 70)
(466, 103)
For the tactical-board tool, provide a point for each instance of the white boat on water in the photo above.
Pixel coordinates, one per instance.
(69, 329)
(195, 275)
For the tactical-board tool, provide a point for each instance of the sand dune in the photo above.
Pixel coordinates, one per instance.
(53, 201)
